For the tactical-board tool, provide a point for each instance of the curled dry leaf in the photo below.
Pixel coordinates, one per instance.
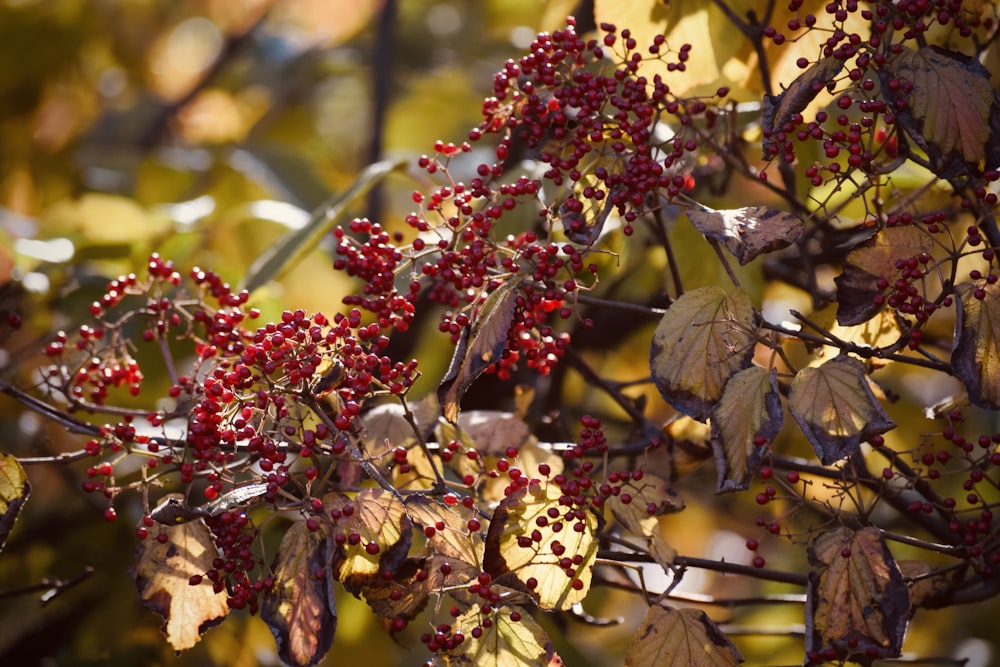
(835, 408)
(300, 609)
(480, 345)
(748, 232)
(680, 637)
(162, 573)
(857, 285)
(14, 491)
(505, 643)
(976, 355)
(375, 517)
(750, 407)
(929, 588)
(705, 337)
(856, 599)
(947, 111)
(559, 560)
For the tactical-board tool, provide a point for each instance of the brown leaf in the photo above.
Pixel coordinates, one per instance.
(14, 491)
(680, 637)
(493, 431)
(705, 337)
(404, 595)
(375, 517)
(976, 355)
(856, 599)
(876, 258)
(511, 546)
(505, 643)
(835, 408)
(481, 344)
(929, 588)
(300, 609)
(750, 407)
(748, 232)
(779, 109)
(948, 110)
(162, 573)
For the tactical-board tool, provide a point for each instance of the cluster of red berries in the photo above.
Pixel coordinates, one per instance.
(233, 570)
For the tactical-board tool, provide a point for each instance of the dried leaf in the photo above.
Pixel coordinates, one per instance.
(300, 609)
(493, 431)
(705, 337)
(856, 599)
(505, 643)
(948, 110)
(779, 109)
(14, 491)
(881, 331)
(857, 286)
(530, 455)
(680, 637)
(162, 573)
(554, 551)
(481, 344)
(748, 232)
(451, 537)
(648, 499)
(691, 442)
(835, 408)
(750, 407)
(403, 596)
(976, 355)
(929, 588)
(374, 516)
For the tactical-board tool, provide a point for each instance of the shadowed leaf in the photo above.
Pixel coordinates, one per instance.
(291, 247)
(857, 285)
(14, 491)
(300, 609)
(748, 232)
(375, 517)
(680, 637)
(750, 406)
(705, 337)
(511, 545)
(779, 109)
(162, 573)
(505, 643)
(835, 408)
(856, 598)
(947, 112)
(403, 596)
(976, 355)
(479, 347)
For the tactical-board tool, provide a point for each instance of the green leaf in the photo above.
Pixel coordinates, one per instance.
(856, 599)
(291, 247)
(705, 337)
(748, 232)
(976, 355)
(504, 643)
(857, 286)
(750, 406)
(481, 344)
(300, 609)
(525, 541)
(162, 572)
(835, 408)
(947, 112)
(14, 491)
(680, 637)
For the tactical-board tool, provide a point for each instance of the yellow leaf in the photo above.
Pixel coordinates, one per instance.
(14, 491)
(750, 407)
(680, 637)
(504, 643)
(374, 517)
(976, 355)
(162, 573)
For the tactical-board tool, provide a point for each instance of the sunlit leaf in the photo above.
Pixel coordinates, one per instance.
(748, 232)
(556, 552)
(705, 337)
(14, 491)
(680, 637)
(882, 330)
(976, 355)
(835, 408)
(750, 407)
(691, 444)
(506, 642)
(372, 517)
(779, 109)
(856, 599)
(162, 573)
(300, 609)
(451, 536)
(530, 455)
(947, 112)
(479, 347)
(493, 431)
(647, 499)
(876, 258)
(290, 248)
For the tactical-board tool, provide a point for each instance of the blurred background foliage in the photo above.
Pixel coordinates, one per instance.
(204, 130)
